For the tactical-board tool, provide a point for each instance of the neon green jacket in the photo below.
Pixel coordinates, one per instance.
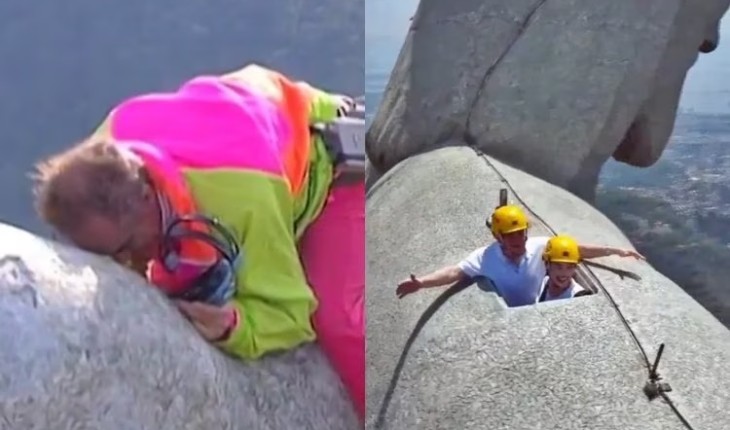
(237, 147)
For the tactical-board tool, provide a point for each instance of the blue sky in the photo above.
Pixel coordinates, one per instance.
(387, 23)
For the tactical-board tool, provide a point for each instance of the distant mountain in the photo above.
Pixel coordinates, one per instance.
(63, 64)
(677, 212)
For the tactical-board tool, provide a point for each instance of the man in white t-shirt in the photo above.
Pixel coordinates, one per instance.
(561, 256)
(514, 262)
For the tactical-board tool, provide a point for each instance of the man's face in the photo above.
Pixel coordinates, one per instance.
(513, 244)
(136, 234)
(561, 274)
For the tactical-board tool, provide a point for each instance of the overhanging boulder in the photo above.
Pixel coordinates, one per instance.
(553, 87)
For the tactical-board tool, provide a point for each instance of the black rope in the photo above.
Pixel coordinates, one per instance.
(597, 281)
(621, 273)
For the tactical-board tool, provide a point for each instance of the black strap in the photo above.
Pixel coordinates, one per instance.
(227, 247)
(543, 294)
(219, 275)
(621, 273)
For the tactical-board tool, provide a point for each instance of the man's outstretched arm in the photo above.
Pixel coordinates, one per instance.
(468, 268)
(597, 251)
(443, 276)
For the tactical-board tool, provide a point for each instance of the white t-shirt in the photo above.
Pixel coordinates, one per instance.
(568, 293)
(518, 284)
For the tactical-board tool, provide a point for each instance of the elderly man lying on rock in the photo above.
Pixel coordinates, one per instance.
(515, 263)
(222, 192)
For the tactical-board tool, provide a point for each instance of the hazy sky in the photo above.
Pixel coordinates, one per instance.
(707, 88)
(387, 23)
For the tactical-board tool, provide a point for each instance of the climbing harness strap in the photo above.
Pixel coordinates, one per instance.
(543, 293)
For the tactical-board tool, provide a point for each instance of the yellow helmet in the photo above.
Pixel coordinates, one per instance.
(562, 249)
(508, 219)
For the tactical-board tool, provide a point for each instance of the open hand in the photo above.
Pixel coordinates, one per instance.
(630, 253)
(408, 286)
(346, 104)
(212, 322)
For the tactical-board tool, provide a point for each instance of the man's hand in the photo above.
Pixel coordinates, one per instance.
(213, 322)
(408, 286)
(629, 253)
(346, 104)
